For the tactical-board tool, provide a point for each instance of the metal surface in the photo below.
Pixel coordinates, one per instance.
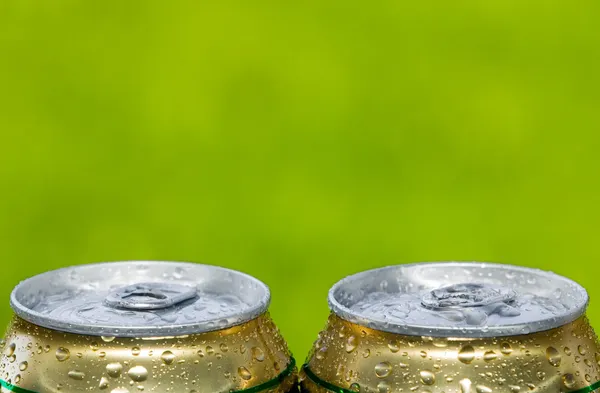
(247, 358)
(140, 299)
(352, 358)
(452, 299)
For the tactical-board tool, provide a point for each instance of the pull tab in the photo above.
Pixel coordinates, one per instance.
(466, 295)
(149, 296)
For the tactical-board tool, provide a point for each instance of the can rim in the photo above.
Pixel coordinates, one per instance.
(472, 332)
(204, 326)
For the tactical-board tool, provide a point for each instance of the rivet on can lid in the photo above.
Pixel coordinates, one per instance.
(149, 296)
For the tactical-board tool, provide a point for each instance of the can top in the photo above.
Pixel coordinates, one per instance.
(140, 299)
(458, 299)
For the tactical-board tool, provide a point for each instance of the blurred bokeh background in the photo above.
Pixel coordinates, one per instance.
(299, 142)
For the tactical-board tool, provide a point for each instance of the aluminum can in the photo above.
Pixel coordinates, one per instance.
(144, 326)
(455, 328)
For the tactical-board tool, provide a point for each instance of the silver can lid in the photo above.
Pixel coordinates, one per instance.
(458, 299)
(140, 299)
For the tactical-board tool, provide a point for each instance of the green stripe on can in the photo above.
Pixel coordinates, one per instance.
(329, 386)
(263, 386)
(14, 388)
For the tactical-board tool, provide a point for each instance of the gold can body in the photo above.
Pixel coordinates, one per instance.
(352, 358)
(251, 357)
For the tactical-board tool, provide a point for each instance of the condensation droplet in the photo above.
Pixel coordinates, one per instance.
(393, 346)
(553, 356)
(23, 366)
(366, 353)
(588, 378)
(383, 387)
(107, 338)
(168, 357)
(114, 369)
(321, 353)
(94, 346)
(138, 373)
(541, 375)
(244, 373)
(567, 351)
(465, 385)
(11, 349)
(466, 354)
(488, 356)
(76, 374)
(514, 388)
(427, 377)
(119, 390)
(597, 357)
(103, 384)
(62, 354)
(355, 387)
(224, 347)
(17, 378)
(568, 380)
(505, 348)
(483, 389)
(258, 354)
(581, 349)
(209, 350)
(383, 369)
(135, 351)
(351, 343)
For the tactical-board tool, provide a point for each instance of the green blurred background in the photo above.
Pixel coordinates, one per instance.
(299, 141)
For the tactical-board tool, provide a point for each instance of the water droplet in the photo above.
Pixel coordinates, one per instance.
(465, 385)
(321, 353)
(23, 366)
(466, 354)
(383, 369)
(114, 369)
(577, 359)
(553, 356)
(168, 357)
(541, 375)
(423, 354)
(59, 386)
(103, 383)
(568, 380)
(393, 346)
(62, 354)
(224, 347)
(76, 374)
(258, 354)
(11, 349)
(138, 373)
(567, 351)
(107, 338)
(483, 389)
(119, 390)
(209, 350)
(514, 388)
(39, 350)
(581, 349)
(47, 349)
(366, 353)
(244, 373)
(488, 356)
(383, 387)
(135, 351)
(94, 346)
(355, 387)
(597, 357)
(587, 362)
(200, 353)
(102, 355)
(351, 343)
(588, 378)
(427, 377)
(12, 358)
